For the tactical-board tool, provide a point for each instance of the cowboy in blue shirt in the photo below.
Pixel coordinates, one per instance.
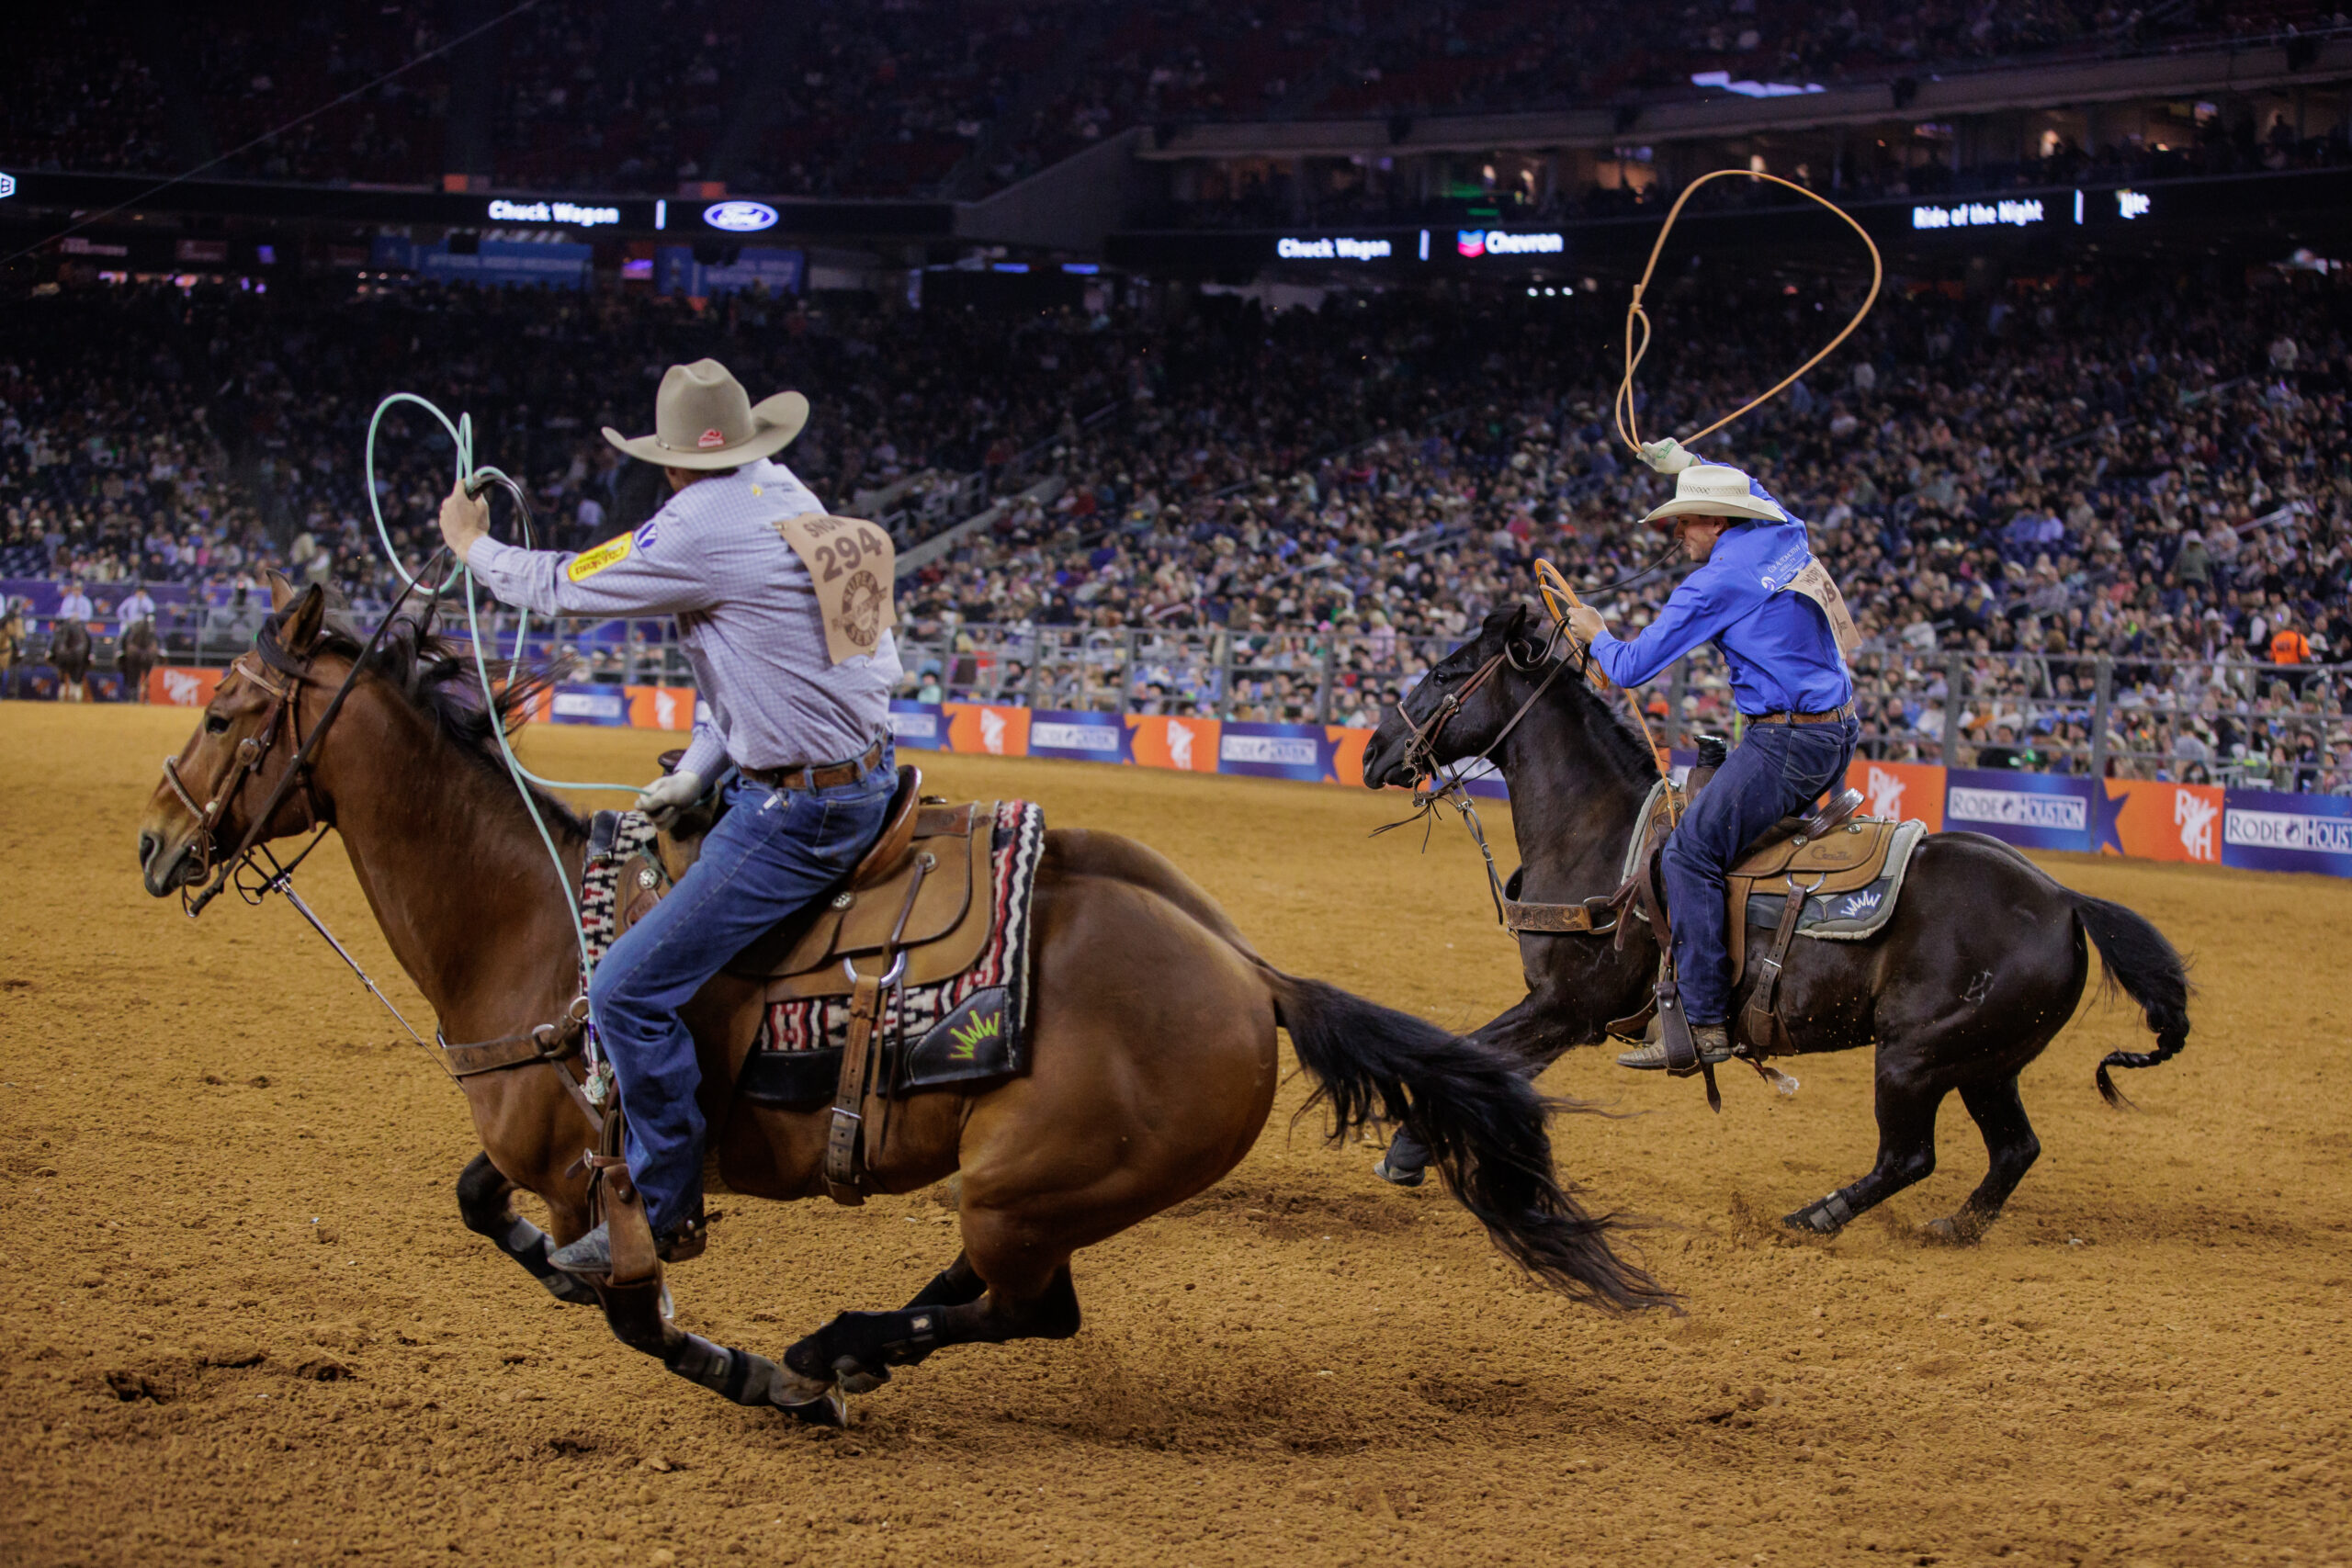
(1759, 596)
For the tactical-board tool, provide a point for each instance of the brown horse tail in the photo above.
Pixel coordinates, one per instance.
(2150, 971)
(1484, 1125)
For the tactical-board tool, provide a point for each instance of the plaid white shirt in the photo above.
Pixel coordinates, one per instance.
(747, 618)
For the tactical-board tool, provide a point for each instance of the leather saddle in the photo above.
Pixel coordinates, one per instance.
(1829, 850)
(920, 892)
(917, 909)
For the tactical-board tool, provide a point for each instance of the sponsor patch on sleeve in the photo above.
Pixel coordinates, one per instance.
(588, 563)
(647, 535)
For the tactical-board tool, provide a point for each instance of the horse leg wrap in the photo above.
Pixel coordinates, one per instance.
(750, 1379)
(528, 1244)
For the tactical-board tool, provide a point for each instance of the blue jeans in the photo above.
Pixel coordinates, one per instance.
(772, 854)
(1776, 770)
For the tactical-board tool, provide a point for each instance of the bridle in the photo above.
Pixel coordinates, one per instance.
(285, 718)
(1421, 749)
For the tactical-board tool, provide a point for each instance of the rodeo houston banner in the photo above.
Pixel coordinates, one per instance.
(2193, 824)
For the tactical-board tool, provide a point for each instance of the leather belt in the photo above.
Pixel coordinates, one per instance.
(1832, 716)
(819, 775)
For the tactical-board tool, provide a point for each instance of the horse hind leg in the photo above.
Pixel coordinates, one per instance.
(1907, 1154)
(482, 1196)
(2009, 1141)
(858, 1349)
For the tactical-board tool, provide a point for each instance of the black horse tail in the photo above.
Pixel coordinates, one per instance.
(2150, 971)
(1482, 1123)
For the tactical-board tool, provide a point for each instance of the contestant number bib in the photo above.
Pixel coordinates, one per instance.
(852, 564)
(1815, 583)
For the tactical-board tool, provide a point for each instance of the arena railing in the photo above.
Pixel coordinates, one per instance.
(2240, 721)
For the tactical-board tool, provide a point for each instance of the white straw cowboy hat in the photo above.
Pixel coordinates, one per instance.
(1717, 490)
(704, 419)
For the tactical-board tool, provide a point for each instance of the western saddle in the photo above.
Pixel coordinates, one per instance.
(1827, 852)
(917, 909)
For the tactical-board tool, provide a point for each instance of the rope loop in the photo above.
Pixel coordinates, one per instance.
(475, 481)
(1622, 406)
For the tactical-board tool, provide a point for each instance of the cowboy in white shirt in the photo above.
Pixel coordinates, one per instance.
(137, 605)
(75, 604)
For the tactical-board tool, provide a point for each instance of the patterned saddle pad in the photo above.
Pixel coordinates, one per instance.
(970, 1028)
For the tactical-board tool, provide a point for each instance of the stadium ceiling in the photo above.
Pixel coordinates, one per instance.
(2200, 72)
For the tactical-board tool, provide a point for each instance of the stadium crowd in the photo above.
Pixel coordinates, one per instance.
(1290, 514)
(913, 97)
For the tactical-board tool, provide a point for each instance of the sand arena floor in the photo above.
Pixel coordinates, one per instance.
(240, 1323)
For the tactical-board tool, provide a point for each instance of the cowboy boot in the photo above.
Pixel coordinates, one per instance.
(1714, 1041)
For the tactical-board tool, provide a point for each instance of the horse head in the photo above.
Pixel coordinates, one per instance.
(1461, 707)
(245, 742)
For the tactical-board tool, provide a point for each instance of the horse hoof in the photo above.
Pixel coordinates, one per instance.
(1812, 1220)
(1396, 1178)
(1950, 1231)
(853, 1376)
(829, 1409)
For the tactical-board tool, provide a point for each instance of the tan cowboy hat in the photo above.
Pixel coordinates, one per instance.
(704, 419)
(1716, 490)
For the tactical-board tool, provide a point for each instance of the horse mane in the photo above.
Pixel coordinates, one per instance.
(436, 675)
(1631, 745)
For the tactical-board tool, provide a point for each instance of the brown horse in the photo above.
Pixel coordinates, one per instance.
(69, 651)
(1153, 1058)
(136, 656)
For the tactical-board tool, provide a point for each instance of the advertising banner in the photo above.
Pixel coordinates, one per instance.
(2264, 832)
(1077, 736)
(556, 264)
(588, 705)
(917, 726)
(661, 708)
(181, 688)
(675, 271)
(1343, 756)
(1900, 791)
(2162, 822)
(988, 729)
(1162, 740)
(1274, 751)
(2033, 811)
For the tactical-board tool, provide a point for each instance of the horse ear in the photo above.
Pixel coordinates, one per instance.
(301, 627)
(281, 592)
(1517, 619)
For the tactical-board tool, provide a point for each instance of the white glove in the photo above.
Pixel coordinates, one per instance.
(669, 795)
(1668, 456)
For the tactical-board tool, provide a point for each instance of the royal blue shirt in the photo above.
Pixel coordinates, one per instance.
(1776, 644)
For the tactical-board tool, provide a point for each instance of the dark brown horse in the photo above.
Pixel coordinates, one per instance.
(136, 656)
(1980, 967)
(1154, 1060)
(69, 651)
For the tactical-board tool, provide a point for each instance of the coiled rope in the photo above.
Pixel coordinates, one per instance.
(475, 481)
(1623, 405)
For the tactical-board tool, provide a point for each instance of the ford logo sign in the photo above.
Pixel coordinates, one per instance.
(740, 216)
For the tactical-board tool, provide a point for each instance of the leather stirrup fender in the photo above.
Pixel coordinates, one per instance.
(623, 1208)
(845, 1136)
(1758, 1020)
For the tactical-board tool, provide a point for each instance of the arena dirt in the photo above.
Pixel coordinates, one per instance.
(241, 1323)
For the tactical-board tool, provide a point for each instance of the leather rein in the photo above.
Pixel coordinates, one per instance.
(1592, 917)
(550, 1043)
